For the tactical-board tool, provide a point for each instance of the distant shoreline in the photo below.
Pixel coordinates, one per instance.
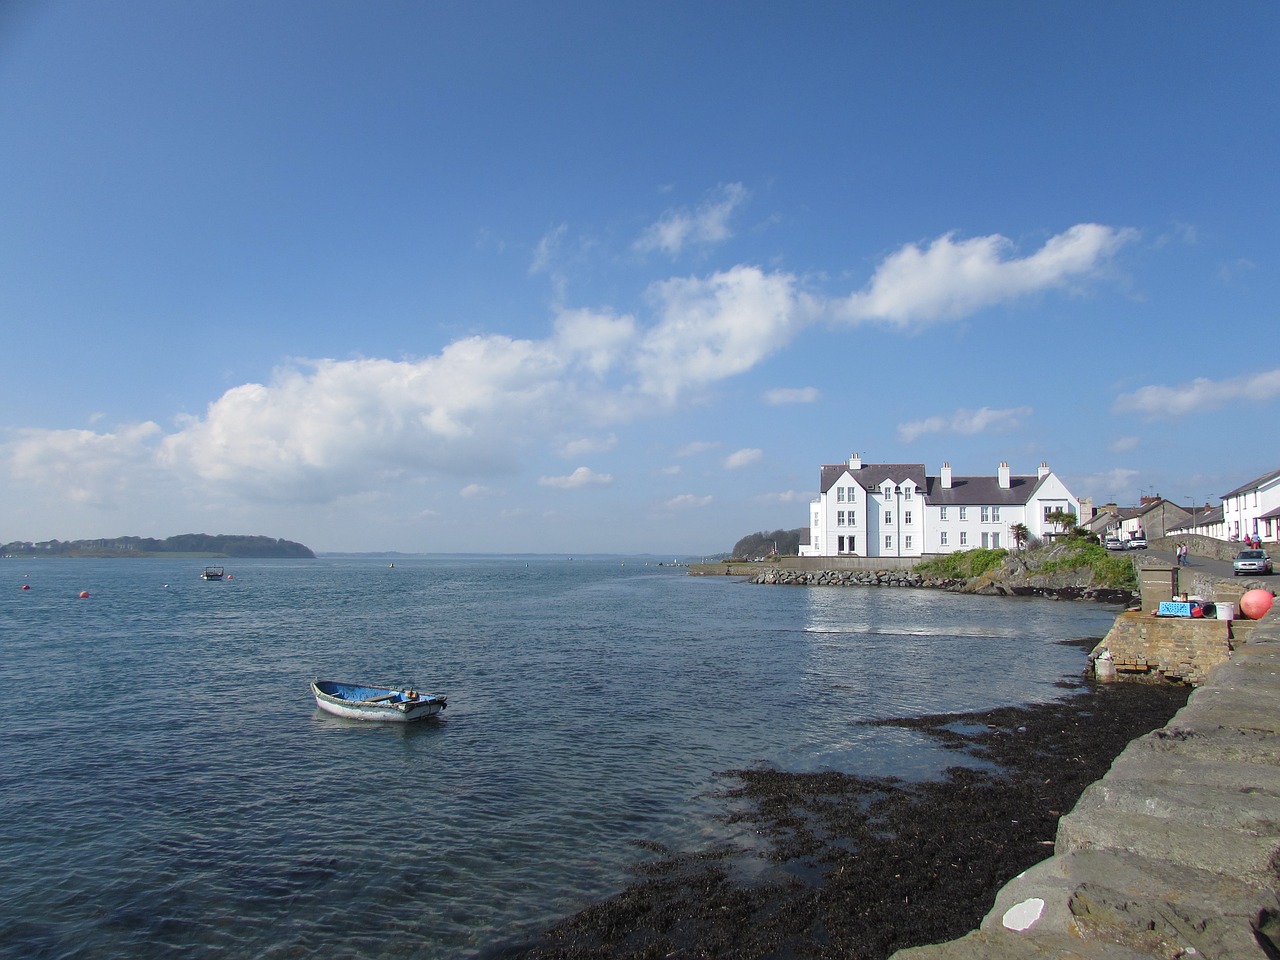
(186, 545)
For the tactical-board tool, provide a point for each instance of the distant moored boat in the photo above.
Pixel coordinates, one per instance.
(211, 573)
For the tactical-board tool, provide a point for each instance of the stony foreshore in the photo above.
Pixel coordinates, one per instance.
(858, 867)
(1174, 852)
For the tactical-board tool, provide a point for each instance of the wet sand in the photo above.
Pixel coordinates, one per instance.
(858, 867)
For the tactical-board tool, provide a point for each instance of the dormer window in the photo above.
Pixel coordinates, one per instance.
(906, 493)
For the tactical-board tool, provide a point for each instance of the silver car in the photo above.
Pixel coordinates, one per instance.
(1251, 561)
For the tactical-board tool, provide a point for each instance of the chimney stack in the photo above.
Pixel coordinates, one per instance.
(855, 462)
(1044, 469)
(1004, 475)
(946, 476)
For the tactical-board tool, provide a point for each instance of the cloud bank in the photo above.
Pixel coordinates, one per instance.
(1200, 395)
(323, 429)
(964, 422)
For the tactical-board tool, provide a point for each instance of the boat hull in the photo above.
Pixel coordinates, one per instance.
(380, 704)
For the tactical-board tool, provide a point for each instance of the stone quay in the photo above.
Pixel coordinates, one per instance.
(1174, 852)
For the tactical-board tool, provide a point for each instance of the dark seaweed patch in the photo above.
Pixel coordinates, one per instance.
(858, 867)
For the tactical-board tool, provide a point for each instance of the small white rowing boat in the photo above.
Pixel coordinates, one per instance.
(361, 702)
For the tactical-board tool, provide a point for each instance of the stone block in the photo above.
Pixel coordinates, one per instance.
(1221, 851)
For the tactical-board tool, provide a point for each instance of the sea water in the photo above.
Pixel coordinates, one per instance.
(168, 787)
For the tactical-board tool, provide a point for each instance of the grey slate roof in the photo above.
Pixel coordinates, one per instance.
(968, 491)
(873, 475)
(1199, 518)
(1253, 484)
(964, 491)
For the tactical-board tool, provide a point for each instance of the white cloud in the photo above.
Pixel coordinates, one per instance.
(95, 469)
(713, 328)
(1236, 270)
(951, 279)
(709, 223)
(595, 341)
(582, 477)
(786, 496)
(742, 458)
(585, 445)
(696, 447)
(326, 428)
(546, 249)
(687, 501)
(785, 395)
(1123, 444)
(474, 490)
(1201, 395)
(965, 422)
(672, 471)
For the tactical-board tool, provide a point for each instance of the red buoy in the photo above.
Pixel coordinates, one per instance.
(84, 594)
(1256, 603)
(26, 586)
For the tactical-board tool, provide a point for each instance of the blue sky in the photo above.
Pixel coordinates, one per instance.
(582, 277)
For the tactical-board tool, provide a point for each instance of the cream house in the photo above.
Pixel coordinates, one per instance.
(898, 510)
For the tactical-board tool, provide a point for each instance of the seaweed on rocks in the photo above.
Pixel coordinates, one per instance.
(859, 867)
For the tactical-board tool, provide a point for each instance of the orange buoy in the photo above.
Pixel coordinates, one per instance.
(1255, 603)
(84, 594)
(26, 586)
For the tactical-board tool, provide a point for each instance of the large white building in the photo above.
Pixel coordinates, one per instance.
(897, 510)
(1253, 510)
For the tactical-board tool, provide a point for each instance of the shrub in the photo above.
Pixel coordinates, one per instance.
(1109, 570)
(964, 564)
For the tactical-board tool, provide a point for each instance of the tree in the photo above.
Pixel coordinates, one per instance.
(781, 542)
(1021, 535)
(1063, 519)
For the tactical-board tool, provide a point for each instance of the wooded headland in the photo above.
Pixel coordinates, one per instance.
(198, 544)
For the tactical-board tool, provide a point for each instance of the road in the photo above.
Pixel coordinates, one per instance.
(1209, 565)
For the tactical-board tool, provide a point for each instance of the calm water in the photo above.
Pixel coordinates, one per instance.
(167, 784)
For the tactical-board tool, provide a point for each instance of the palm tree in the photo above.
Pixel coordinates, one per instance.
(1062, 519)
(1020, 535)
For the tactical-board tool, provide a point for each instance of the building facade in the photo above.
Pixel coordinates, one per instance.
(1253, 510)
(898, 510)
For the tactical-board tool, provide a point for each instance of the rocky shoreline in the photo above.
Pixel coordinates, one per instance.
(1051, 588)
(859, 867)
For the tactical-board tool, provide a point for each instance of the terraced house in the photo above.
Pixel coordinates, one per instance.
(897, 510)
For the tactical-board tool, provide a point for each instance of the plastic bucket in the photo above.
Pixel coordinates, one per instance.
(1226, 611)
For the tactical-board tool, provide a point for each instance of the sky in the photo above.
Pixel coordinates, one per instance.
(441, 276)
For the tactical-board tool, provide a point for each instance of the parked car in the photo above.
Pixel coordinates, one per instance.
(1137, 542)
(1251, 561)
(1113, 543)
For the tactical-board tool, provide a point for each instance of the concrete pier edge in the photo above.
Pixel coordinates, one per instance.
(1174, 852)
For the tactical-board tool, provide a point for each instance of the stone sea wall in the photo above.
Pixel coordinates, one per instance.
(1056, 588)
(1140, 644)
